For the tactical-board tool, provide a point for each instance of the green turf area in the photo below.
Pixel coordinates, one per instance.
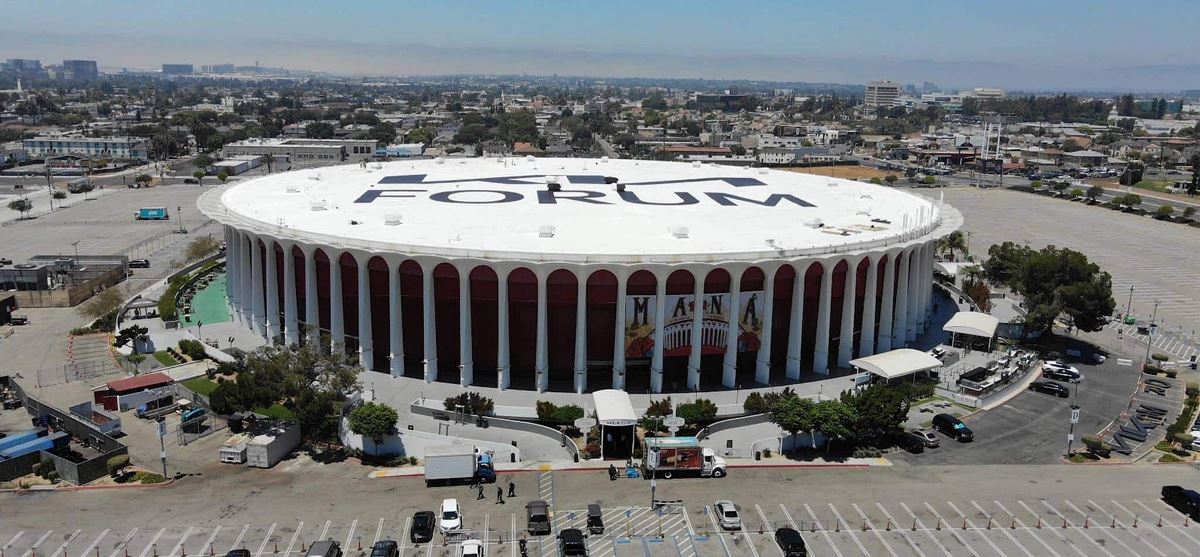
(209, 305)
(276, 411)
(201, 385)
(165, 359)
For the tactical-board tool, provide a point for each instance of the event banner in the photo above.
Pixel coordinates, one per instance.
(677, 324)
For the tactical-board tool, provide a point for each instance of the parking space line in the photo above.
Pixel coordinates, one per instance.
(208, 543)
(123, 543)
(797, 528)
(1010, 537)
(37, 544)
(95, 544)
(241, 535)
(1061, 537)
(292, 542)
(12, 540)
(1032, 534)
(1067, 522)
(717, 529)
(1116, 522)
(324, 531)
(915, 521)
(153, 542)
(871, 527)
(350, 534)
(429, 549)
(512, 528)
(1128, 512)
(403, 534)
(183, 540)
(378, 531)
(263, 546)
(691, 533)
(66, 542)
(952, 531)
(750, 544)
(1152, 511)
(971, 525)
(838, 515)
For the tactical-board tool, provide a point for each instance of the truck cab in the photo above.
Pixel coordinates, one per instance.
(713, 465)
(486, 470)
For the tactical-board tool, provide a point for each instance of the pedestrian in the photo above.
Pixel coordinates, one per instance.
(480, 496)
(512, 489)
(612, 472)
(499, 495)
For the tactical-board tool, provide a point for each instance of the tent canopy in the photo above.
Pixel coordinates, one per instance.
(972, 323)
(613, 408)
(897, 363)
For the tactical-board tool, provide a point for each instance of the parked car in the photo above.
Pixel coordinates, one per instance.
(953, 427)
(5, 261)
(790, 543)
(191, 181)
(909, 443)
(925, 436)
(239, 552)
(422, 527)
(1062, 375)
(326, 548)
(537, 515)
(139, 263)
(385, 548)
(1183, 500)
(571, 543)
(1058, 364)
(595, 519)
(450, 519)
(471, 548)
(1051, 388)
(727, 515)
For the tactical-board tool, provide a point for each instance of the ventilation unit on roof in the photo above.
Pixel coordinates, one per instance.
(546, 231)
(604, 159)
(620, 187)
(528, 158)
(678, 231)
(439, 160)
(319, 205)
(831, 184)
(762, 171)
(695, 164)
(293, 189)
(814, 223)
(316, 178)
(393, 219)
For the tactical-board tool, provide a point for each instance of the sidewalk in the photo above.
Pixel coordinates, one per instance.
(602, 465)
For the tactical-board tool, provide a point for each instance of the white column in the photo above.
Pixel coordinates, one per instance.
(762, 364)
(502, 361)
(247, 279)
(821, 350)
(900, 316)
(290, 320)
(846, 334)
(866, 341)
(887, 305)
(466, 363)
(366, 337)
(272, 292)
(541, 364)
(428, 322)
(395, 324)
(796, 324)
(729, 367)
(914, 281)
(660, 321)
(918, 315)
(927, 285)
(618, 376)
(693, 381)
(581, 335)
(256, 262)
(312, 309)
(337, 330)
(230, 268)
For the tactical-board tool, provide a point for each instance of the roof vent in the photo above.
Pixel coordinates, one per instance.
(393, 219)
(762, 171)
(814, 223)
(604, 159)
(679, 231)
(546, 231)
(553, 186)
(292, 188)
(319, 205)
(611, 180)
(528, 158)
(439, 160)
(315, 178)
(695, 164)
(620, 187)
(771, 242)
(831, 184)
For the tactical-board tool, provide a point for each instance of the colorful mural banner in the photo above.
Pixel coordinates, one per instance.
(640, 312)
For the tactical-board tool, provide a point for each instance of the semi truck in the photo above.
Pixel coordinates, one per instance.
(444, 465)
(56, 440)
(152, 213)
(667, 456)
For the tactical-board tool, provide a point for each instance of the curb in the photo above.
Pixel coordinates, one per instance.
(601, 469)
(167, 483)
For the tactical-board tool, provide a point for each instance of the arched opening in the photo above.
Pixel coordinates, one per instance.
(638, 339)
(322, 260)
(601, 325)
(860, 294)
(484, 312)
(349, 269)
(749, 334)
(522, 327)
(377, 281)
(412, 307)
(812, 301)
(445, 318)
(835, 309)
(714, 327)
(562, 293)
(781, 325)
(301, 283)
(677, 330)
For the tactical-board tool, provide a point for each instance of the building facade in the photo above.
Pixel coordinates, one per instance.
(91, 147)
(881, 93)
(177, 69)
(300, 151)
(80, 69)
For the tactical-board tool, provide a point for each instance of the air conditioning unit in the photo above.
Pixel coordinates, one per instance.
(293, 189)
(393, 219)
(319, 205)
(546, 231)
(679, 231)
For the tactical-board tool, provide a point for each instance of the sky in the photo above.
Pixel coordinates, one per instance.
(1015, 44)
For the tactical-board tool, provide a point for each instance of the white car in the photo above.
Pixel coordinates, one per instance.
(471, 548)
(450, 518)
(727, 515)
(1059, 365)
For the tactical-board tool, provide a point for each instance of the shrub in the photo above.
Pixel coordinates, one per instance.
(867, 452)
(766, 453)
(474, 403)
(545, 411)
(1184, 439)
(702, 411)
(82, 331)
(194, 349)
(875, 180)
(116, 464)
(1151, 369)
(1192, 390)
(660, 407)
(1077, 458)
(1158, 357)
(1076, 192)
(1035, 184)
(1169, 458)
(148, 478)
(59, 194)
(755, 404)
(1171, 374)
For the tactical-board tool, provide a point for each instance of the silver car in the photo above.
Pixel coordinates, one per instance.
(728, 516)
(926, 437)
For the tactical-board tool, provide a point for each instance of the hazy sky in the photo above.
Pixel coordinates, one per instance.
(1017, 44)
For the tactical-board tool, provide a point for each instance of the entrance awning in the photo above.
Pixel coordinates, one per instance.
(613, 408)
(897, 363)
(972, 323)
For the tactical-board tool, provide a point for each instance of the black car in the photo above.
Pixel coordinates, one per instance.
(571, 543)
(1050, 388)
(385, 548)
(953, 427)
(139, 263)
(538, 515)
(422, 527)
(1186, 501)
(790, 543)
(238, 553)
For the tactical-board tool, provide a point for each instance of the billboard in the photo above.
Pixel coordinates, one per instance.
(640, 313)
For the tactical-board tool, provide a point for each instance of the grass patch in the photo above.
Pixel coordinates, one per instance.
(1169, 458)
(201, 385)
(165, 359)
(1154, 185)
(1077, 458)
(276, 411)
(147, 478)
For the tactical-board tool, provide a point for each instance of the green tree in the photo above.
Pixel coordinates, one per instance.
(421, 135)
(1165, 211)
(1188, 212)
(1094, 191)
(203, 160)
(1194, 185)
(956, 241)
(319, 130)
(373, 421)
(198, 175)
(875, 180)
(1070, 146)
(890, 179)
(835, 419)
(202, 247)
(21, 205)
(223, 176)
(879, 410)
(700, 412)
(1003, 262)
(1057, 282)
(59, 194)
(793, 415)
(103, 307)
(929, 180)
(1076, 192)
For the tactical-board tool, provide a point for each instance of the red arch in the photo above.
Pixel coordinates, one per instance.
(484, 311)
(562, 294)
(412, 316)
(522, 325)
(445, 319)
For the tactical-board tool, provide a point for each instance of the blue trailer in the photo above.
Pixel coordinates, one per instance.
(58, 439)
(20, 438)
(153, 213)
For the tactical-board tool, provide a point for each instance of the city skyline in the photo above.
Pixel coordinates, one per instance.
(1063, 48)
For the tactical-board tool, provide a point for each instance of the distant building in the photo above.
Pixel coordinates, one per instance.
(401, 150)
(985, 93)
(79, 69)
(90, 147)
(881, 93)
(304, 150)
(24, 67)
(217, 68)
(176, 69)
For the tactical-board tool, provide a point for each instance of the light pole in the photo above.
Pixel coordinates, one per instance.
(1129, 306)
(1074, 419)
(75, 245)
(1150, 334)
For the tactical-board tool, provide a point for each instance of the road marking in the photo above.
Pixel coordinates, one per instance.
(1032, 534)
(1072, 525)
(691, 532)
(797, 528)
(872, 529)
(404, 537)
(208, 543)
(12, 540)
(1122, 507)
(1061, 537)
(37, 544)
(717, 530)
(970, 524)
(1116, 522)
(292, 543)
(486, 538)
(1010, 537)
(65, 543)
(95, 544)
(838, 515)
(1152, 513)
(904, 534)
(324, 531)
(238, 541)
(378, 531)
(512, 528)
(263, 546)
(953, 532)
(183, 540)
(350, 534)
(761, 515)
(124, 542)
(152, 543)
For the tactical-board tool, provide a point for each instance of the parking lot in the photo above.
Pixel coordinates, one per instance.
(1087, 526)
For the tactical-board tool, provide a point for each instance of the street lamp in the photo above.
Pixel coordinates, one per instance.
(1150, 333)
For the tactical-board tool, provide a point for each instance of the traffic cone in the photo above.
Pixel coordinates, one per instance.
(888, 527)
(964, 523)
(276, 547)
(360, 543)
(155, 546)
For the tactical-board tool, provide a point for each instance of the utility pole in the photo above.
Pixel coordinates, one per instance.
(1129, 306)
(1074, 419)
(1150, 333)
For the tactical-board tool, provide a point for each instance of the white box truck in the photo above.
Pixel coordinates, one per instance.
(667, 456)
(444, 465)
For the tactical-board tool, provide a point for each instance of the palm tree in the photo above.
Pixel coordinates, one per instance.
(267, 160)
(972, 275)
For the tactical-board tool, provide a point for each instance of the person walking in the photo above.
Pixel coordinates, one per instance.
(612, 472)
(512, 489)
(499, 495)
(480, 496)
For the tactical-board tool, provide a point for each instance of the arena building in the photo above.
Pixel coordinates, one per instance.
(581, 274)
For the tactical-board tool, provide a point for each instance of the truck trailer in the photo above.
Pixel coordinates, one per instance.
(56, 440)
(152, 213)
(444, 465)
(667, 456)
(21, 438)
